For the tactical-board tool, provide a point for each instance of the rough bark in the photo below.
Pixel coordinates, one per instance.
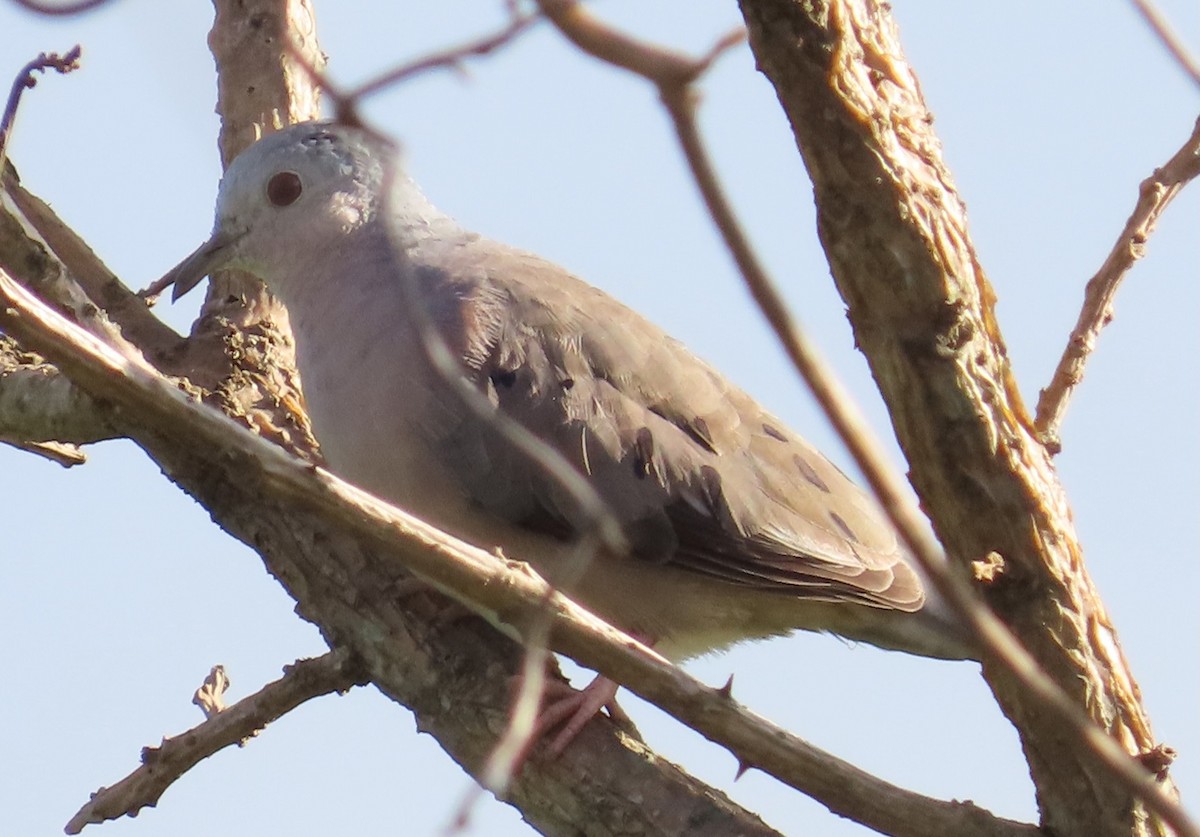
(895, 232)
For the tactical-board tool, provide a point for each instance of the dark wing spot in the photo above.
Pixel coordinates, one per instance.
(697, 428)
(809, 472)
(643, 448)
(844, 526)
(504, 377)
(774, 432)
(710, 483)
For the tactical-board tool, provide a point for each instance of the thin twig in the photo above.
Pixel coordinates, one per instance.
(1155, 20)
(345, 101)
(451, 58)
(162, 765)
(1154, 194)
(26, 79)
(671, 73)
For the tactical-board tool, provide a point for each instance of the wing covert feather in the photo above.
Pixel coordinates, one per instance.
(698, 474)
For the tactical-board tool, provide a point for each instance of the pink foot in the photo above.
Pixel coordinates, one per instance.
(573, 708)
(567, 710)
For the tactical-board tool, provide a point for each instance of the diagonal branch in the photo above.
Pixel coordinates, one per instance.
(894, 229)
(336, 671)
(172, 426)
(123, 307)
(1170, 40)
(452, 57)
(1154, 195)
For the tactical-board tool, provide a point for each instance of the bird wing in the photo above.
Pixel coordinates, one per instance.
(699, 476)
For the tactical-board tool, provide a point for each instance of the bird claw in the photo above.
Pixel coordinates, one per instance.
(573, 711)
(567, 710)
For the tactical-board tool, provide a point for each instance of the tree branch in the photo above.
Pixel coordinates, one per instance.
(1154, 195)
(673, 74)
(63, 64)
(452, 57)
(122, 306)
(343, 586)
(37, 404)
(161, 766)
(1170, 41)
(895, 233)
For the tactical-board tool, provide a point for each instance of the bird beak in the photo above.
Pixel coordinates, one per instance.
(206, 258)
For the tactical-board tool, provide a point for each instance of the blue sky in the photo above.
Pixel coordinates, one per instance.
(117, 593)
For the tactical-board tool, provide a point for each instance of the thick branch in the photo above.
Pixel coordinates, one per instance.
(37, 404)
(895, 233)
(123, 307)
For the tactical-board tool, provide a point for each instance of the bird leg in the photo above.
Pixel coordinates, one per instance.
(570, 710)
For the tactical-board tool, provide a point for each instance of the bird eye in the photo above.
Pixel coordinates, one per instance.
(283, 189)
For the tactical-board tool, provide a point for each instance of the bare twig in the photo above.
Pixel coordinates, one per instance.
(480, 580)
(451, 58)
(162, 765)
(1155, 20)
(1154, 195)
(670, 70)
(26, 79)
(345, 101)
(672, 73)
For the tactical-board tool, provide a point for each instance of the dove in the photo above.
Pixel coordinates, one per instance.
(734, 527)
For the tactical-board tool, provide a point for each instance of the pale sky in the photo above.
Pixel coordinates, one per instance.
(117, 593)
